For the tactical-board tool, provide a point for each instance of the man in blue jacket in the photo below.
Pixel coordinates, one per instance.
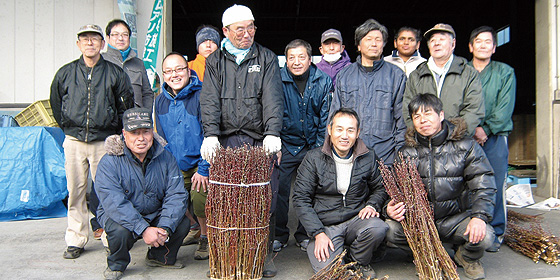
(141, 195)
(374, 89)
(307, 94)
(178, 122)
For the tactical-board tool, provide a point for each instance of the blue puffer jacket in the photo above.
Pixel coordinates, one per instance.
(305, 119)
(178, 122)
(132, 199)
(377, 98)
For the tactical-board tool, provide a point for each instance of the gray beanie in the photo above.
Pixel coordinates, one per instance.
(207, 33)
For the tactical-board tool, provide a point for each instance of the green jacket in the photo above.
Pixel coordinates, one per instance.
(461, 92)
(498, 82)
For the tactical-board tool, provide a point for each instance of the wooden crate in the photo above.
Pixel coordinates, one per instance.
(522, 141)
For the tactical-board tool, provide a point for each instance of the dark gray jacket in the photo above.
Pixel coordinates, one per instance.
(461, 92)
(244, 98)
(316, 198)
(90, 109)
(136, 71)
(457, 175)
(377, 98)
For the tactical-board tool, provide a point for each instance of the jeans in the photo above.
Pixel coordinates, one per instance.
(496, 149)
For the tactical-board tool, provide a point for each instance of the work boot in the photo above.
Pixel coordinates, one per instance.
(269, 269)
(192, 237)
(201, 252)
(112, 274)
(473, 269)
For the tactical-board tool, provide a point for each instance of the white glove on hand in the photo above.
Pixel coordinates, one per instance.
(209, 147)
(272, 144)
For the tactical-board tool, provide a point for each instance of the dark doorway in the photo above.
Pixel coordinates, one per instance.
(279, 22)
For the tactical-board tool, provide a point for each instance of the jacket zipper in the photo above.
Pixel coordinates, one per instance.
(89, 101)
(432, 195)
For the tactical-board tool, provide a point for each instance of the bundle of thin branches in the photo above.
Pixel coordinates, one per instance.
(403, 184)
(335, 270)
(526, 235)
(238, 212)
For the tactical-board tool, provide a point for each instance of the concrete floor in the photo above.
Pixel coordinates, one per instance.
(32, 249)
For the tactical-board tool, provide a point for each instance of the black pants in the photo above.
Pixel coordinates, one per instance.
(287, 169)
(121, 241)
(92, 205)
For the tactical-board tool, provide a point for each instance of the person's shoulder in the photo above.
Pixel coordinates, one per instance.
(347, 70)
(502, 67)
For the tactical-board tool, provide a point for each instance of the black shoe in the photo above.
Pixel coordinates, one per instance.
(269, 269)
(365, 270)
(72, 252)
(494, 248)
(155, 263)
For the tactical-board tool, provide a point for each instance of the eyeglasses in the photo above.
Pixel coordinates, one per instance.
(85, 40)
(124, 35)
(177, 70)
(239, 32)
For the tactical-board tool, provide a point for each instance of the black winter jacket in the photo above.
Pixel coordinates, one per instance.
(244, 98)
(90, 109)
(458, 177)
(316, 198)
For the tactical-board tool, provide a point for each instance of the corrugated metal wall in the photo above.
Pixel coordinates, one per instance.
(39, 36)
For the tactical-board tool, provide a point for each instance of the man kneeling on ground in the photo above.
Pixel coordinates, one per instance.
(337, 191)
(141, 194)
(459, 181)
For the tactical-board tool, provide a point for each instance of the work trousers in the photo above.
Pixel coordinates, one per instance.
(287, 169)
(121, 241)
(80, 159)
(472, 251)
(496, 149)
(362, 237)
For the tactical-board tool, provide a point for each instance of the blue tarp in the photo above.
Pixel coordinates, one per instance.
(32, 175)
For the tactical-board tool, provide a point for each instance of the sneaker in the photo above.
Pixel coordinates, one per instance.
(303, 244)
(366, 271)
(112, 274)
(155, 263)
(72, 252)
(97, 234)
(201, 252)
(473, 269)
(192, 237)
(277, 246)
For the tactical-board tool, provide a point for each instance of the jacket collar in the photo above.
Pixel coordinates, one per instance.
(116, 53)
(313, 74)
(82, 63)
(360, 147)
(114, 145)
(395, 54)
(376, 64)
(193, 85)
(452, 130)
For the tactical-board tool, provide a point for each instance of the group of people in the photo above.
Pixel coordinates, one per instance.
(328, 127)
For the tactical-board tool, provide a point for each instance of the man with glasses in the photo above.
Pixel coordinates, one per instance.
(120, 53)
(178, 121)
(88, 98)
(242, 99)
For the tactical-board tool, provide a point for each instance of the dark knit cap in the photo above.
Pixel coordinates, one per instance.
(207, 33)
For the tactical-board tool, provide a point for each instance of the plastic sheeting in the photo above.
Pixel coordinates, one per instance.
(32, 175)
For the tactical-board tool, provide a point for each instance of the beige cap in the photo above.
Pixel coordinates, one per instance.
(440, 27)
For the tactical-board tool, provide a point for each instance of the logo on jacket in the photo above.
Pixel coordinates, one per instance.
(254, 68)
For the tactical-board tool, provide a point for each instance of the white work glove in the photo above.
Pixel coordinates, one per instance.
(272, 144)
(209, 147)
